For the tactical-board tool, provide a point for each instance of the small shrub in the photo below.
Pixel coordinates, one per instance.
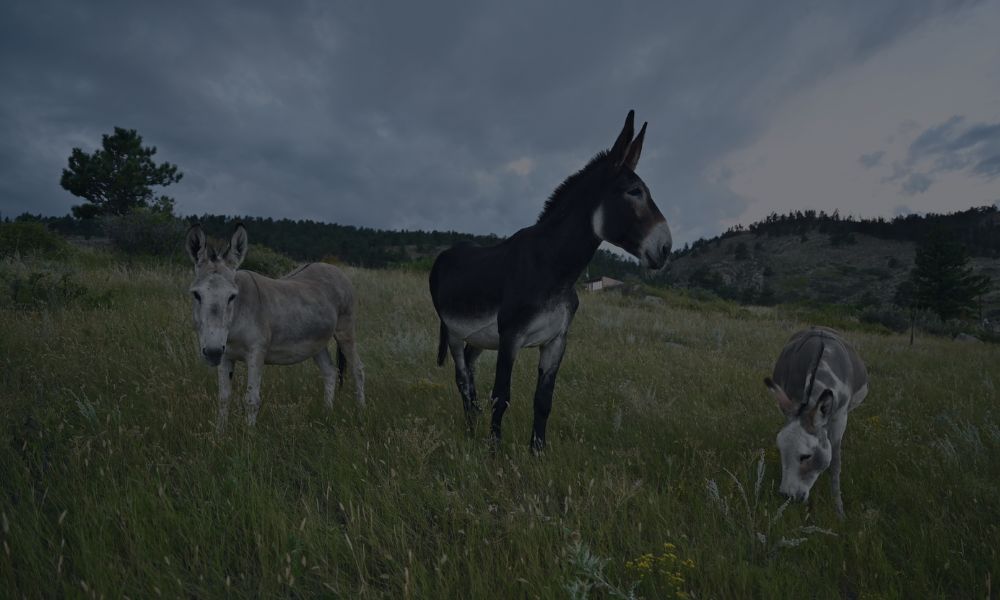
(587, 575)
(935, 325)
(842, 238)
(420, 265)
(891, 317)
(266, 261)
(741, 252)
(21, 238)
(705, 278)
(767, 296)
(146, 232)
(752, 520)
(31, 289)
(867, 299)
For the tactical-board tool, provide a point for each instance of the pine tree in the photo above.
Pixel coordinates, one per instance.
(116, 179)
(942, 279)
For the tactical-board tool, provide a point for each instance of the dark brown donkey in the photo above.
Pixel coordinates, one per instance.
(519, 293)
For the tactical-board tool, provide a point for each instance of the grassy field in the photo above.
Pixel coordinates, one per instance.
(660, 478)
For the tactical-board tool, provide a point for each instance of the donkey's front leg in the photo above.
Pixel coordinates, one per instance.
(506, 355)
(549, 357)
(835, 478)
(255, 369)
(347, 350)
(225, 372)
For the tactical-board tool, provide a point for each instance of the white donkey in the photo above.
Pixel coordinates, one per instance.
(818, 379)
(242, 315)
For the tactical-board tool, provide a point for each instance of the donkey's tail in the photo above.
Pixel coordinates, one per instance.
(341, 363)
(443, 344)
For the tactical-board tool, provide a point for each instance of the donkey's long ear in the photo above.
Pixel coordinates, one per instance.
(620, 149)
(195, 244)
(819, 413)
(237, 249)
(635, 149)
(785, 404)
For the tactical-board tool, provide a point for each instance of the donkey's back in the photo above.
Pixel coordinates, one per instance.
(300, 312)
(320, 284)
(820, 356)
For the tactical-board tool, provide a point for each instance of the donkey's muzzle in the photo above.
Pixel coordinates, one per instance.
(213, 355)
(656, 247)
(657, 259)
(796, 496)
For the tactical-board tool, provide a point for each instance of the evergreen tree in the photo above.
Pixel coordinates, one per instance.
(116, 179)
(942, 279)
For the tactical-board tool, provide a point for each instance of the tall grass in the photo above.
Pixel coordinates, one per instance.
(115, 484)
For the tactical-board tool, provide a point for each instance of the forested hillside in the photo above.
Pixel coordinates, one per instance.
(816, 257)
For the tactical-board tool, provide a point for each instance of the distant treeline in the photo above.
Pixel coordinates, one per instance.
(361, 246)
(978, 229)
(305, 240)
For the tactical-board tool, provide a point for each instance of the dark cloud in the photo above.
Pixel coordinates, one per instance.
(950, 146)
(916, 183)
(934, 140)
(872, 159)
(457, 116)
(988, 167)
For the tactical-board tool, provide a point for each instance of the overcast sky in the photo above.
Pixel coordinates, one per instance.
(466, 115)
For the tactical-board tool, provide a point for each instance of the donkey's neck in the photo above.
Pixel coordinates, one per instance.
(572, 241)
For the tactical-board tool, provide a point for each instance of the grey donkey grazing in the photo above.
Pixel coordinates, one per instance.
(818, 379)
(244, 316)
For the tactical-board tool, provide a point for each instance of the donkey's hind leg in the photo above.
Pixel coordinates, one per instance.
(464, 379)
(329, 371)
(348, 348)
(471, 354)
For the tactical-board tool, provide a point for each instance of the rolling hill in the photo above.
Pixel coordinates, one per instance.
(818, 258)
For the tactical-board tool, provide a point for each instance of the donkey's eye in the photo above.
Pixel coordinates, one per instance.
(197, 296)
(804, 457)
(635, 192)
(231, 298)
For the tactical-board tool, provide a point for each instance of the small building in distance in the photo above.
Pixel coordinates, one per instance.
(601, 283)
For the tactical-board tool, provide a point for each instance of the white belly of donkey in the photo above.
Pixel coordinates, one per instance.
(482, 331)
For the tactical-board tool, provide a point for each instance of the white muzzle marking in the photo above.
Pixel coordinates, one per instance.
(656, 246)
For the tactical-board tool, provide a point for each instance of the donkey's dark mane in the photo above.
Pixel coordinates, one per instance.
(559, 198)
(812, 377)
